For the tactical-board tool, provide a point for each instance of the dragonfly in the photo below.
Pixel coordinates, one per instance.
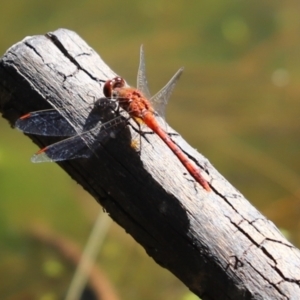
(106, 120)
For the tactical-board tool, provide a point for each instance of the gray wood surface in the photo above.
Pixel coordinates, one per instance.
(217, 243)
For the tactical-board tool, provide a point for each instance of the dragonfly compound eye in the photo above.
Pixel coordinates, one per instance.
(118, 82)
(107, 89)
(112, 84)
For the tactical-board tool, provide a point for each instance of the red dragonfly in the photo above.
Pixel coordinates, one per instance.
(105, 121)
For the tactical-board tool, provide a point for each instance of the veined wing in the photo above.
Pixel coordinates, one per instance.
(142, 84)
(45, 122)
(71, 148)
(82, 145)
(51, 122)
(160, 99)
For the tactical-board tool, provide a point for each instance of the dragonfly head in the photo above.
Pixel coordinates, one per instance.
(111, 85)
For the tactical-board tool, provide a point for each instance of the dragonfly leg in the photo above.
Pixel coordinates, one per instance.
(140, 131)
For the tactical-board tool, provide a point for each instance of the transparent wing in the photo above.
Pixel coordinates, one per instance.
(71, 148)
(160, 99)
(45, 122)
(82, 145)
(142, 83)
(51, 122)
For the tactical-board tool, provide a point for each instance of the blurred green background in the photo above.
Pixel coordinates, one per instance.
(237, 103)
